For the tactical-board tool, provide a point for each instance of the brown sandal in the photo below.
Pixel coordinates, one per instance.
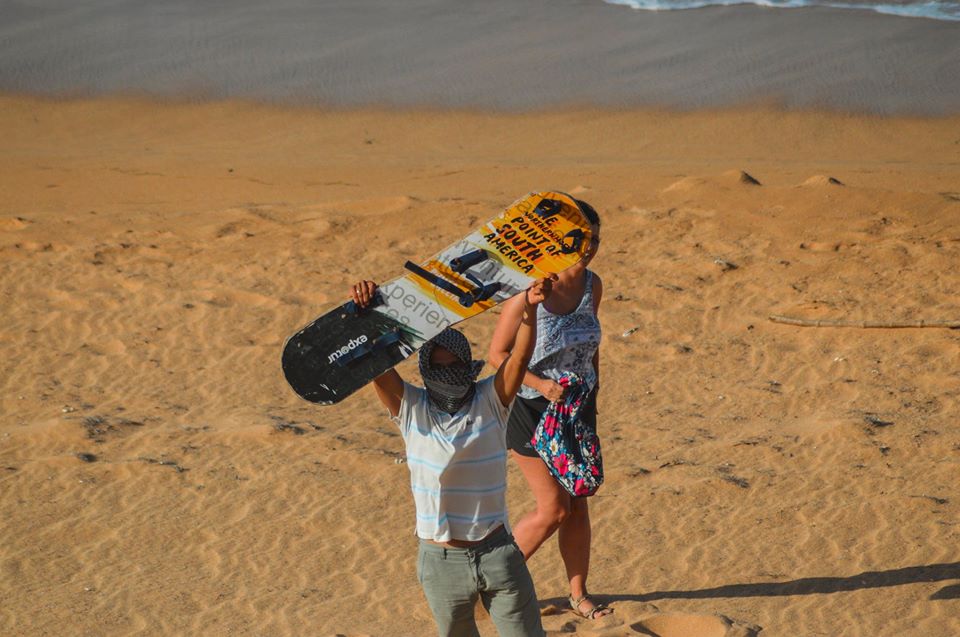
(592, 613)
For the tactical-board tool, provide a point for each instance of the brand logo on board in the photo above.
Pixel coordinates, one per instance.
(353, 344)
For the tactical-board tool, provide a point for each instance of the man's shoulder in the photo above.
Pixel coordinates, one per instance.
(413, 389)
(486, 382)
(489, 399)
(487, 388)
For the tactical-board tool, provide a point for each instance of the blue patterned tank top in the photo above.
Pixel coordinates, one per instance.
(566, 342)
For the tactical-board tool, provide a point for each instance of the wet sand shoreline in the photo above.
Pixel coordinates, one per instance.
(544, 54)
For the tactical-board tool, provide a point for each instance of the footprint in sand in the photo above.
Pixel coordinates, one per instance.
(9, 224)
(734, 178)
(822, 180)
(741, 177)
(633, 618)
(39, 246)
(821, 246)
(694, 626)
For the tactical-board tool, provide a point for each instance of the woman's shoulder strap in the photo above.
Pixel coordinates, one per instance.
(587, 300)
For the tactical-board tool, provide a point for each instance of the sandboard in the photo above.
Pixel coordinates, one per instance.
(346, 348)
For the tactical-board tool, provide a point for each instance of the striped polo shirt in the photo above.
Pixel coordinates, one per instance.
(458, 463)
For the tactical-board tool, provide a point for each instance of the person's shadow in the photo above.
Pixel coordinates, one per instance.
(817, 585)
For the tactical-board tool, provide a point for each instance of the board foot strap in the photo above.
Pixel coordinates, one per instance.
(466, 297)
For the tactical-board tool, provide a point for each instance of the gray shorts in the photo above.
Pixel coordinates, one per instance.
(495, 572)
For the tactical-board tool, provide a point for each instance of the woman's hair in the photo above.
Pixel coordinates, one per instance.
(588, 211)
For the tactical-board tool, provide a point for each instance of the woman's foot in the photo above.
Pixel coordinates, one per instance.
(588, 609)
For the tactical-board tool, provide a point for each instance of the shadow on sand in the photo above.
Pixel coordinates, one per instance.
(818, 585)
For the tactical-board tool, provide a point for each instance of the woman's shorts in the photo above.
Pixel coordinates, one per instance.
(526, 414)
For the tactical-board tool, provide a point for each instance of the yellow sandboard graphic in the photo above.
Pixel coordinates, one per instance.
(540, 234)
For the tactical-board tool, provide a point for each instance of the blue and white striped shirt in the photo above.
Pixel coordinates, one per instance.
(458, 463)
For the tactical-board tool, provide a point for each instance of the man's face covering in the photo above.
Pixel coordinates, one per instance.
(449, 387)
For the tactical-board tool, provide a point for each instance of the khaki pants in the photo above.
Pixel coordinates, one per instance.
(493, 571)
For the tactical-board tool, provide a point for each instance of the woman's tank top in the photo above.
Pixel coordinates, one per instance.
(566, 342)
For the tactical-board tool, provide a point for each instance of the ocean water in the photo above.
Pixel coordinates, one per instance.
(932, 9)
(499, 54)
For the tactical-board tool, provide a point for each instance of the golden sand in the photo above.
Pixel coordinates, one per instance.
(158, 477)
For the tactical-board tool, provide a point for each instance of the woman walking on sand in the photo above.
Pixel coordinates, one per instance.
(568, 340)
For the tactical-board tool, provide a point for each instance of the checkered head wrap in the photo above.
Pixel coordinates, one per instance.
(453, 386)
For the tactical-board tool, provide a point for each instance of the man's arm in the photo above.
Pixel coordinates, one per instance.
(389, 388)
(503, 341)
(389, 385)
(511, 373)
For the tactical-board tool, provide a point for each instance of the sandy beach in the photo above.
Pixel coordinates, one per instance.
(183, 185)
(158, 477)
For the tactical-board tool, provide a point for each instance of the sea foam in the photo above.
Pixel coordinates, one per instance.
(931, 9)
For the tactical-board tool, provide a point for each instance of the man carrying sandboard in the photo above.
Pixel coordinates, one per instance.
(454, 430)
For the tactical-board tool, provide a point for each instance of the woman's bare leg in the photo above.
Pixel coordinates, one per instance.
(553, 505)
(574, 541)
